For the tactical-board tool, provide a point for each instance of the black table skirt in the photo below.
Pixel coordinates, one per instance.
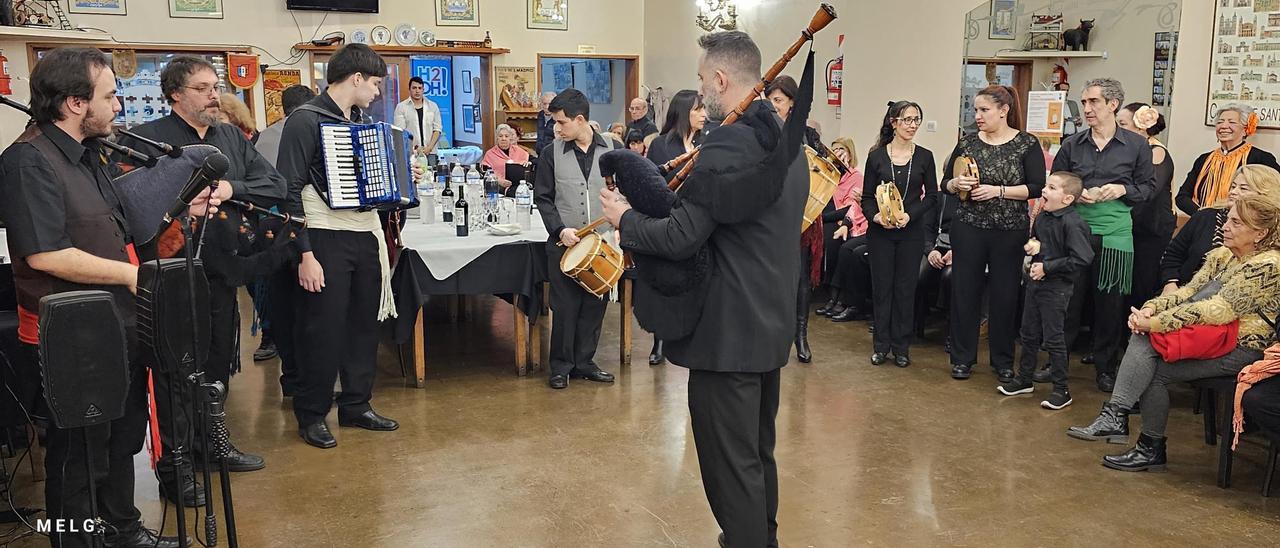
(514, 272)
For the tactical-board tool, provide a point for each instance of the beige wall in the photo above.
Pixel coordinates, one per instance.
(267, 24)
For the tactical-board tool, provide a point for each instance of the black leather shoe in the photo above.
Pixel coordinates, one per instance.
(1149, 454)
(369, 420)
(192, 493)
(825, 310)
(595, 375)
(1004, 375)
(1106, 382)
(318, 435)
(961, 371)
(901, 361)
(879, 358)
(143, 538)
(265, 351)
(1112, 424)
(1042, 375)
(655, 355)
(237, 461)
(558, 382)
(1088, 359)
(850, 314)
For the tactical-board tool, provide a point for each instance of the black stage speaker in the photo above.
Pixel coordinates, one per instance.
(84, 358)
(164, 313)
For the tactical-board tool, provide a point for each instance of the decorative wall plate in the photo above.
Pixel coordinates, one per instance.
(406, 34)
(359, 36)
(380, 35)
(427, 38)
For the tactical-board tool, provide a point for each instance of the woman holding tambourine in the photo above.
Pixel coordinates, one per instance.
(908, 180)
(993, 172)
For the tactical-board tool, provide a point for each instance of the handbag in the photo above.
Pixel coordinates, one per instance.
(1198, 342)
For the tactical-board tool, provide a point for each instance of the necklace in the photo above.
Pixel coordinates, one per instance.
(894, 168)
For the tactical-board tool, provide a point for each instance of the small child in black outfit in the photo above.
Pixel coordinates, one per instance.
(1059, 248)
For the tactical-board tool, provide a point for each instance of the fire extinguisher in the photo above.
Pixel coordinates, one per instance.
(835, 77)
(4, 76)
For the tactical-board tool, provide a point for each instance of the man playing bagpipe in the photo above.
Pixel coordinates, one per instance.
(190, 86)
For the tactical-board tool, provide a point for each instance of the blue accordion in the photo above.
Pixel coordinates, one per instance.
(368, 166)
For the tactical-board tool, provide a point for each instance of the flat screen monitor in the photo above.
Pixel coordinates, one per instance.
(354, 6)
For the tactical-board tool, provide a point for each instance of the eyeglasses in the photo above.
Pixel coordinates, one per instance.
(913, 121)
(206, 90)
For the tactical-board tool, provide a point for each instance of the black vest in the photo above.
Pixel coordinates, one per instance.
(92, 226)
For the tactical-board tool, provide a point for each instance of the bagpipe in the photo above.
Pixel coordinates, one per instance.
(755, 151)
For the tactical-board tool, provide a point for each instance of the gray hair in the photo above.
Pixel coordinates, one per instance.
(504, 127)
(548, 95)
(1239, 108)
(1111, 89)
(734, 52)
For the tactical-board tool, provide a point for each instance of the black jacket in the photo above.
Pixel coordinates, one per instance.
(918, 200)
(1186, 251)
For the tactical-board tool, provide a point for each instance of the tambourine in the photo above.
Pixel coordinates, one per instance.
(890, 202)
(965, 167)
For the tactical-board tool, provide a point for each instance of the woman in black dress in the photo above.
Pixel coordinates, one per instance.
(896, 248)
(989, 230)
(681, 132)
(1153, 220)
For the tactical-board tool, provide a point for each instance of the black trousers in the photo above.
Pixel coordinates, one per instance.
(1109, 318)
(1262, 405)
(830, 252)
(985, 261)
(575, 324)
(112, 447)
(224, 351)
(733, 418)
(853, 272)
(1044, 316)
(895, 268)
(338, 327)
(1147, 284)
(282, 291)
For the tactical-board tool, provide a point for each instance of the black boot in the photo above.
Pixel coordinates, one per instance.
(655, 355)
(1147, 455)
(803, 352)
(1112, 425)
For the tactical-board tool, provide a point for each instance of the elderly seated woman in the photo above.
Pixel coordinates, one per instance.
(1238, 284)
(1203, 232)
(506, 151)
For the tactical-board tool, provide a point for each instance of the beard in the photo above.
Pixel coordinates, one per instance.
(712, 101)
(207, 118)
(97, 124)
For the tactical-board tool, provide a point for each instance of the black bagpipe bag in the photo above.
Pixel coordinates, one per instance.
(740, 171)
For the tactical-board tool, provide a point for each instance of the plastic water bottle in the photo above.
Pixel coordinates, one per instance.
(427, 200)
(524, 205)
(475, 187)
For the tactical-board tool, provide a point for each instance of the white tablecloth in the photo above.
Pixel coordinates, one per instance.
(445, 253)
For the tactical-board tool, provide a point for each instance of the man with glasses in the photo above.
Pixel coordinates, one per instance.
(190, 85)
(1116, 168)
(421, 117)
(638, 112)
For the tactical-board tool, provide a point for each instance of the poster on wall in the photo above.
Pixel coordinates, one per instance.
(436, 71)
(97, 7)
(1044, 113)
(598, 84)
(561, 76)
(516, 89)
(1162, 68)
(1002, 19)
(457, 13)
(200, 9)
(140, 99)
(274, 82)
(1245, 64)
(548, 14)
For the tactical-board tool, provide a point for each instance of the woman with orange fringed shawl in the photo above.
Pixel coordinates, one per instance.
(1210, 177)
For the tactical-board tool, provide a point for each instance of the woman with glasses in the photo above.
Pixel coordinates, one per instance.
(990, 228)
(1210, 177)
(897, 245)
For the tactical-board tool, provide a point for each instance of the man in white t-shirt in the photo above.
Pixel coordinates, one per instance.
(420, 116)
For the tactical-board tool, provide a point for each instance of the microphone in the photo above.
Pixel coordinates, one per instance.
(213, 168)
(168, 149)
(142, 159)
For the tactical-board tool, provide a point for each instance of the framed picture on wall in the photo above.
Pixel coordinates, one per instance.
(97, 7)
(1002, 19)
(548, 14)
(1244, 63)
(458, 13)
(198, 9)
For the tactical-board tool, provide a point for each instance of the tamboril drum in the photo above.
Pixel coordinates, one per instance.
(594, 264)
(824, 177)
